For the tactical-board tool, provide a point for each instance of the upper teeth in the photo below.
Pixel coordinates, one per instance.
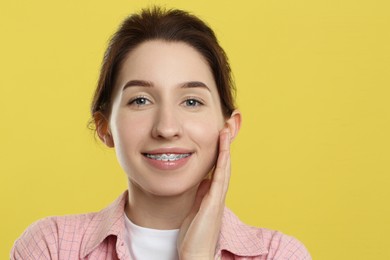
(167, 157)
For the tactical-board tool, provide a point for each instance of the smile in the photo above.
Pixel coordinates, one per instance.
(167, 157)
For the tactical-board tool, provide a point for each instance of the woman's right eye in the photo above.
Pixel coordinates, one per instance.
(139, 101)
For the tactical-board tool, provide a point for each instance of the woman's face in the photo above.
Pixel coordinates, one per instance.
(166, 117)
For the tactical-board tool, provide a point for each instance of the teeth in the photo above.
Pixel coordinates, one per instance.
(167, 157)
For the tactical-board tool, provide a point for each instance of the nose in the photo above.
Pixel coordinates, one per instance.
(166, 124)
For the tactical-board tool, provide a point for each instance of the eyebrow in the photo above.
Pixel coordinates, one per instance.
(195, 84)
(144, 83)
(137, 83)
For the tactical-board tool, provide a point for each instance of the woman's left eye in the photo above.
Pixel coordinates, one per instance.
(192, 102)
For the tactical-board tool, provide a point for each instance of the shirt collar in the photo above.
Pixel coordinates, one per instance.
(109, 221)
(235, 237)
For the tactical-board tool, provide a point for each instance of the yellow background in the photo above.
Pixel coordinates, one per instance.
(312, 159)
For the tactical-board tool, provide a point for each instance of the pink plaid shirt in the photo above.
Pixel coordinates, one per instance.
(101, 235)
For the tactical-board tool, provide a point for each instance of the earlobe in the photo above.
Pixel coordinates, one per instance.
(234, 124)
(102, 129)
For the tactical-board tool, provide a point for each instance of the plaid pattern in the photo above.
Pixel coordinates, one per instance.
(101, 235)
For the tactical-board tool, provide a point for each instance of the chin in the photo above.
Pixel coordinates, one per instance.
(172, 189)
(168, 184)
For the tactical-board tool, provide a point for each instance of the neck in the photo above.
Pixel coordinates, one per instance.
(158, 212)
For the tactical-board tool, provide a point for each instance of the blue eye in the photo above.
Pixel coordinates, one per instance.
(191, 102)
(139, 101)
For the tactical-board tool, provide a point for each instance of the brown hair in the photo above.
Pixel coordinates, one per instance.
(173, 26)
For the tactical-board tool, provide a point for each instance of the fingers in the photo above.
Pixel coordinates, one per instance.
(221, 175)
(212, 193)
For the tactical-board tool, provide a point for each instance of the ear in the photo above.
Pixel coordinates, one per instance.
(102, 129)
(234, 124)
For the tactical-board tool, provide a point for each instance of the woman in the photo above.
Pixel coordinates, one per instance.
(164, 101)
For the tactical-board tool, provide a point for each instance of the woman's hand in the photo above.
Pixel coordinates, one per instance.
(200, 230)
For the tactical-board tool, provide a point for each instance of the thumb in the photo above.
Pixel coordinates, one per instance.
(203, 189)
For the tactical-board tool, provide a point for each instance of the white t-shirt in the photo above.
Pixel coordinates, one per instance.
(151, 244)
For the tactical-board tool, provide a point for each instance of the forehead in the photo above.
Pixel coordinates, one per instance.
(165, 63)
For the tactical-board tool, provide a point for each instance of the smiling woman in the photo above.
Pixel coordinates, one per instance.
(173, 115)
(164, 102)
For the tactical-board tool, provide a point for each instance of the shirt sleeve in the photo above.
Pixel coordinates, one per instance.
(39, 241)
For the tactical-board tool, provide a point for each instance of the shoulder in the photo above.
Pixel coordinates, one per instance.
(72, 236)
(243, 240)
(282, 246)
(45, 237)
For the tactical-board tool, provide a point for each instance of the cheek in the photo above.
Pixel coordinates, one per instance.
(128, 130)
(205, 133)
